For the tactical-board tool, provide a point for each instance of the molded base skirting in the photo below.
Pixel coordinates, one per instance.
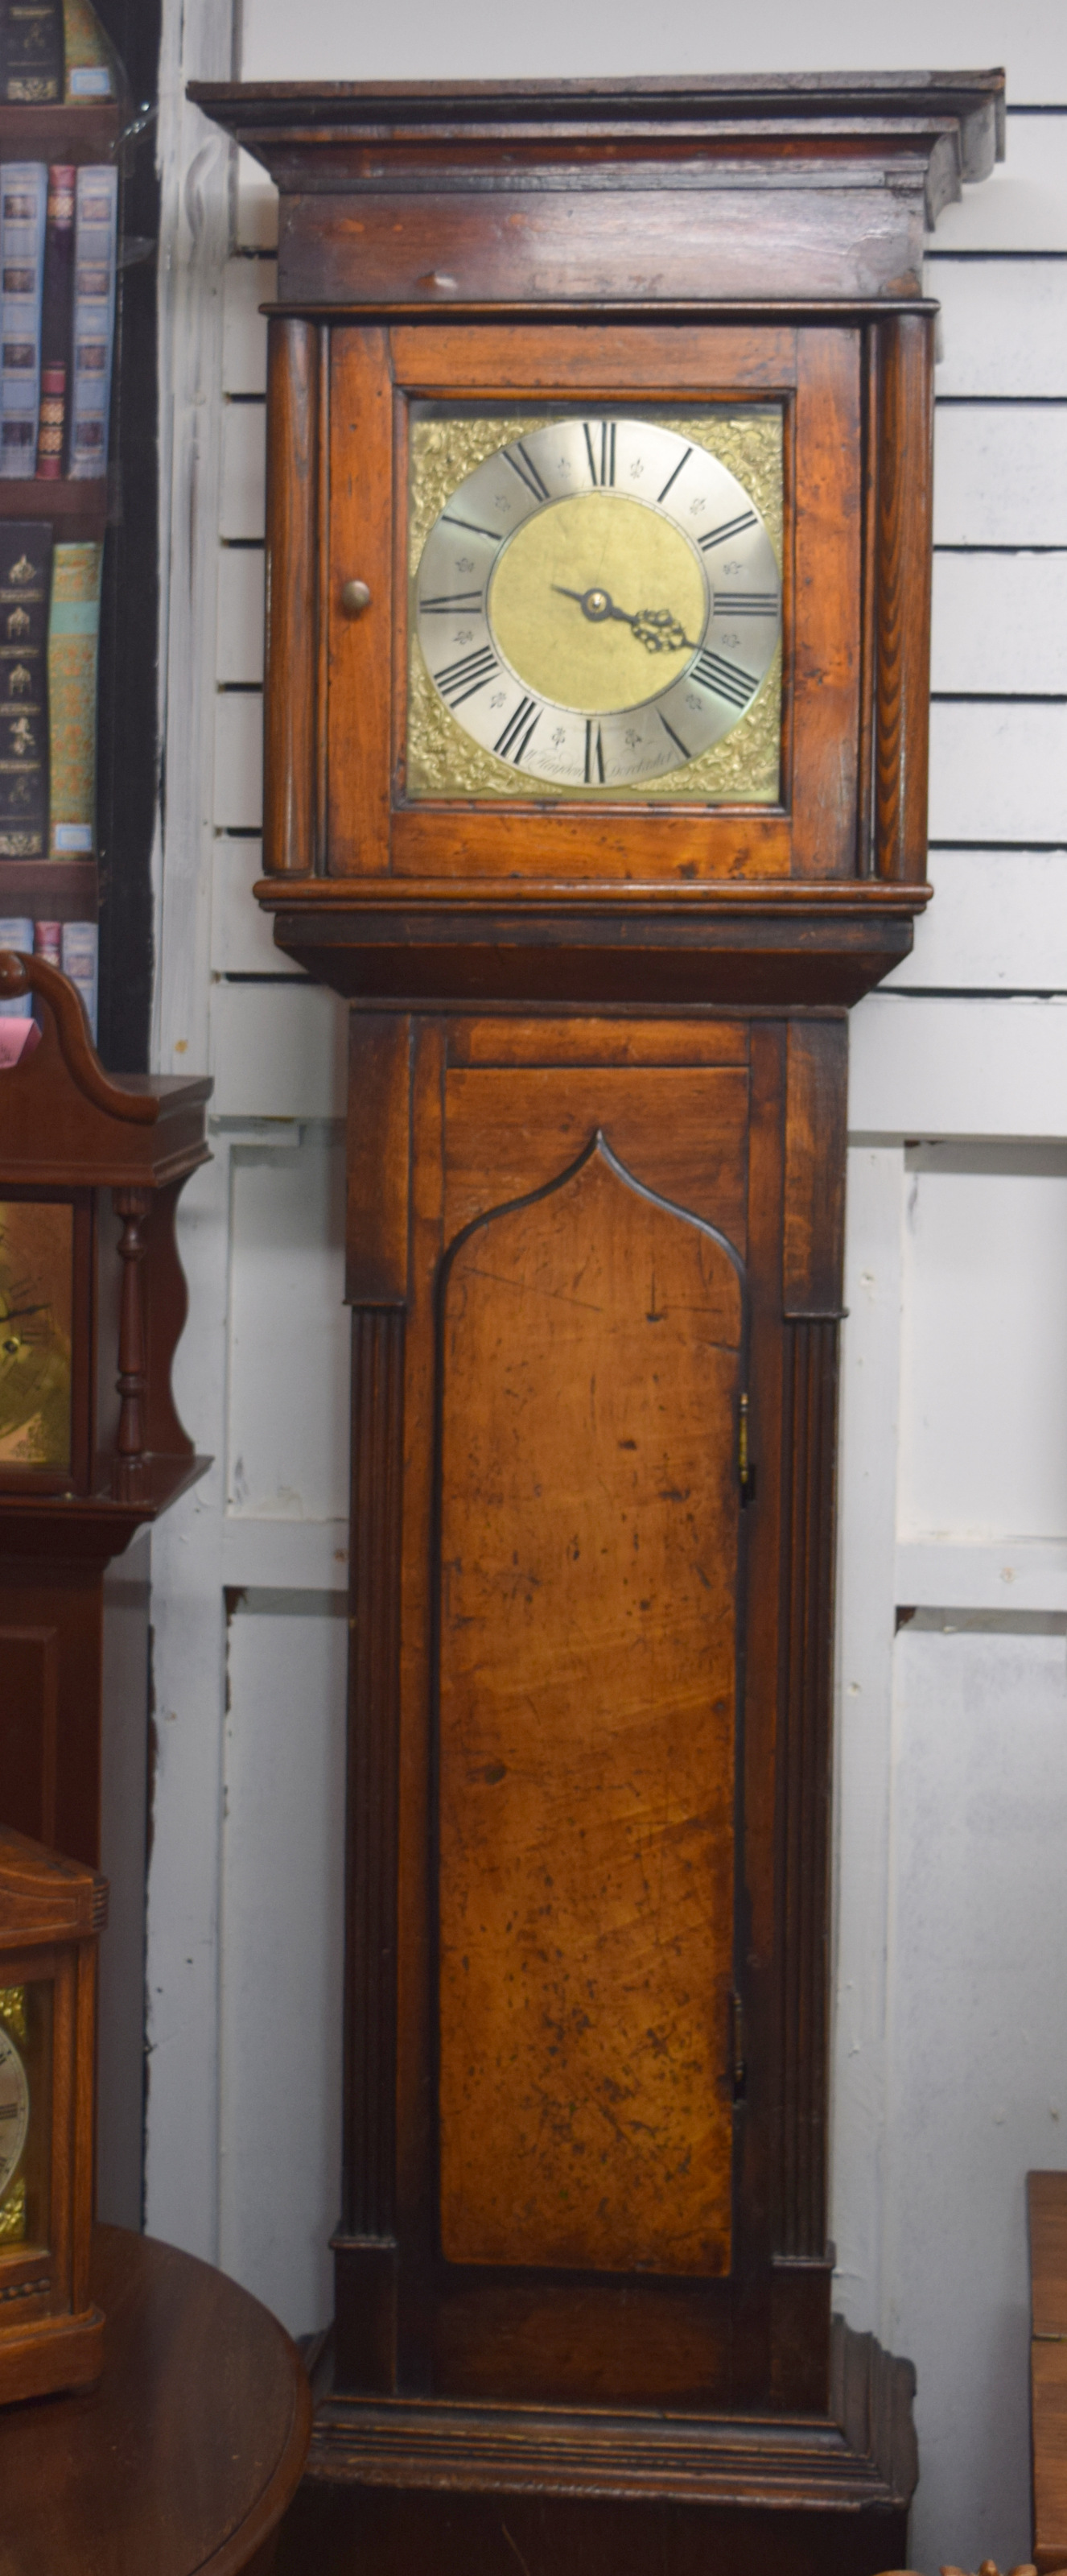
(399, 2484)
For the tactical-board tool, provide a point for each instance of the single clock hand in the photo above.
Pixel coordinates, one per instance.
(655, 628)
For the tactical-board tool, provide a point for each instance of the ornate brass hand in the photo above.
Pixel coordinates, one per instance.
(655, 628)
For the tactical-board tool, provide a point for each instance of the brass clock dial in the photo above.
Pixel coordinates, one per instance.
(36, 1294)
(14, 2110)
(598, 603)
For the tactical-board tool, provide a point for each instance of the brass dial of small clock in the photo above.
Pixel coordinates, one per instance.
(14, 2109)
(598, 603)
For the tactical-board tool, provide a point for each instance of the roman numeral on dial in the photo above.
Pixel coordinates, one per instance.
(675, 737)
(472, 528)
(725, 678)
(746, 603)
(594, 756)
(600, 449)
(523, 465)
(460, 680)
(449, 602)
(672, 478)
(730, 528)
(511, 744)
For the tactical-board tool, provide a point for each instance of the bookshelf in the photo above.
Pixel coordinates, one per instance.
(109, 887)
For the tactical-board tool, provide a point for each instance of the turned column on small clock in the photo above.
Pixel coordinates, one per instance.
(131, 1470)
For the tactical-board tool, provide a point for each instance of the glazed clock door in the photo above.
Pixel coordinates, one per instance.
(575, 623)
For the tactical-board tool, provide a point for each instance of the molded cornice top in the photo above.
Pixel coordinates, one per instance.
(819, 184)
(953, 122)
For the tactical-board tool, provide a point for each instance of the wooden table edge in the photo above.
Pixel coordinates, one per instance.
(239, 2555)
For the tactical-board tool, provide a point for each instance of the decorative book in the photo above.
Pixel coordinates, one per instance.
(25, 569)
(92, 70)
(23, 203)
(56, 319)
(79, 957)
(95, 238)
(17, 933)
(73, 631)
(31, 51)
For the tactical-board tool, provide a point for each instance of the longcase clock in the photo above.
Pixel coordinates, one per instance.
(599, 573)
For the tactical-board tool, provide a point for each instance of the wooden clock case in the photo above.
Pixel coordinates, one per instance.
(583, 2279)
(52, 1912)
(116, 1151)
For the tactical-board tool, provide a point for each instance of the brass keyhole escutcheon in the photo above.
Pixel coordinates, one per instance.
(355, 597)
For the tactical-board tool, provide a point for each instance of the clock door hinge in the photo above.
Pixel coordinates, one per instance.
(738, 2066)
(746, 1473)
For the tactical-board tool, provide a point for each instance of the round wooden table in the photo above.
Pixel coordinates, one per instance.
(185, 2455)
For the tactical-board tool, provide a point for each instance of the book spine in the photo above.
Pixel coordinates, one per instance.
(92, 69)
(95, 244)
(73, 633)
(23, 203)
(48, 941)
(31, 52)
(17, 934)
(80, 950)
(25, 581)
(56, 322)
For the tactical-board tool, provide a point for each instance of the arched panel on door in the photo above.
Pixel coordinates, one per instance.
(592, 1339)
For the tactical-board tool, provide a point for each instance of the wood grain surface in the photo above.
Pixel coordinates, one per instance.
(681, 1129)
(360, 527)
(1046, 2195)
(589, 1507)
(290, 735)
(184, 2457)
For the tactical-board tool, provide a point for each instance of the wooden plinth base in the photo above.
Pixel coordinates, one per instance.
(394, 2486)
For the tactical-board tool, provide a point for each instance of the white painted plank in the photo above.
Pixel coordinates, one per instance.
(289, 1331)
(282, 1959)
(240, 614)
(998, 772)
(624, 37)
(239, 760)
(864, 1719)
(285, 1556)
(188, 1681)
(279, 1051)
(120, 2005)
(250, 282)
(998, 922)
(926, 1068)
(1000, 623)
(242, 938)
(1000, 474)
(983, 1398)
(257, 206)
(182, 1974)
(1003, 326)
(1023, 203)
(243, 499)
(978, 2023)
(1015, 1574)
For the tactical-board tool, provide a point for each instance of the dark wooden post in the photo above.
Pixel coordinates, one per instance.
(131, 1465)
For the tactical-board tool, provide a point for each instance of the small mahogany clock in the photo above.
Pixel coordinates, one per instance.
(92, 1301)
(599, 551)
(51, 1914)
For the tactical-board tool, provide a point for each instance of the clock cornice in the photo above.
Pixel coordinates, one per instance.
(865, 163)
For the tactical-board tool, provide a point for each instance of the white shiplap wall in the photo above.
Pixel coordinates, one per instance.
(950, 2073)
